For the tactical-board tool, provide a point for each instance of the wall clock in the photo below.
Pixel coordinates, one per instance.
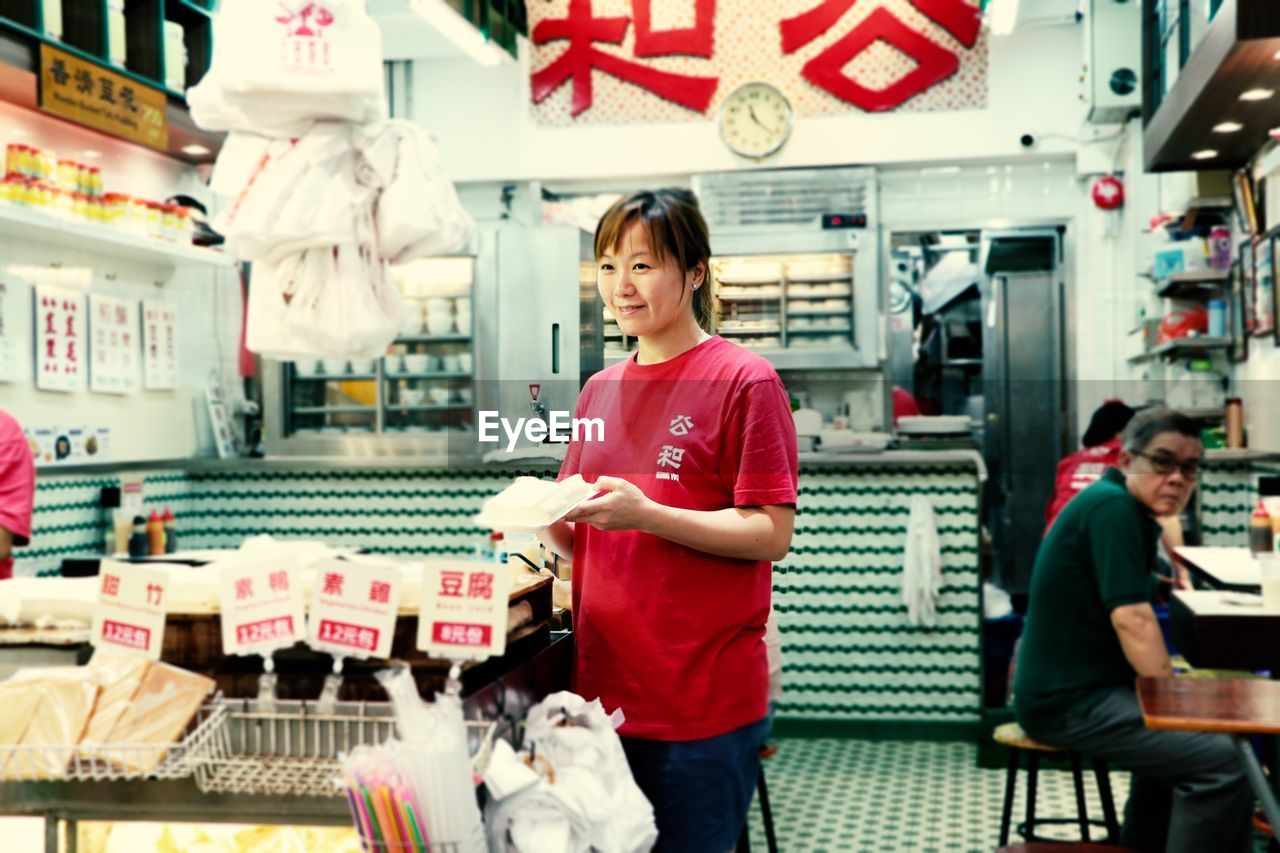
(756, 120)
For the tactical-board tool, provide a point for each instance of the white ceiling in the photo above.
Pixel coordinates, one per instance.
(406, 35)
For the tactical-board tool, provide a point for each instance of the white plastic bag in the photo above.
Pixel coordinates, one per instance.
(288, 196)
(922, 564)
(593, 802)
(418, 212)
(277, 65)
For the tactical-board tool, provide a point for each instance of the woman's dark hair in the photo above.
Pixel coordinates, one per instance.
(675, 226)
(1107, 422)
(1147, 424)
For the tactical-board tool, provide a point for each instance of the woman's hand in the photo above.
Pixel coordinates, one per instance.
(622, 507)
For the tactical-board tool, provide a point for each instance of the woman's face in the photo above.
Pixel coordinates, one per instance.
(648, 300)
(1155, 476)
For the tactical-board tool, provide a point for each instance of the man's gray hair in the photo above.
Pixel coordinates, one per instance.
(1146, 425)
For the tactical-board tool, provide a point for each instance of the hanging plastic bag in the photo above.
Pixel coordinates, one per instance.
(418, 211)
(277, 65)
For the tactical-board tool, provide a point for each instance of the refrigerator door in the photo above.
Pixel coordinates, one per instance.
(529, 363)
(1023, 370)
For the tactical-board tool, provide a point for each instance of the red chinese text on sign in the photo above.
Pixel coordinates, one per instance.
(480, 585)
(110, 584)
(333, 583)
(451, 584)
(582, 29)
(698, 40)
(933, 62)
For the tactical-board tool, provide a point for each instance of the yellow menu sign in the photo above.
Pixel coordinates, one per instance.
(89, 94)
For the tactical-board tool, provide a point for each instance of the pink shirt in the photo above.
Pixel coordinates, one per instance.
(17, 486)
(672, 635)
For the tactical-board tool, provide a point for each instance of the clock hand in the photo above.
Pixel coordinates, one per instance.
(756, 119)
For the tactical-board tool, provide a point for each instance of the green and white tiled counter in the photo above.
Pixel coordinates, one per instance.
(1228, 492)
(850, 653)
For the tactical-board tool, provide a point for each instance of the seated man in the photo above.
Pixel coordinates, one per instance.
(1091, 630)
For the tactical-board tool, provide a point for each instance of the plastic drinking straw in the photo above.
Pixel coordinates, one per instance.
(389, 805)
(419, 834)
(373, 815)
(355, 815)
(385, 820)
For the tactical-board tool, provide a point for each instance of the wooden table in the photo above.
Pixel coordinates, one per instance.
(1237, 707)
(1214, 630)
(1223, 568)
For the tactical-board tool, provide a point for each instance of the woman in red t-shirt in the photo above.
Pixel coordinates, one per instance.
(672, 564)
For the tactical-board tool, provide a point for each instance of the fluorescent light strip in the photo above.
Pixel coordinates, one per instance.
(1206, 154)
(1228, 127)
(446, 20)
(1004, 17)
(195, 150)
(1256, 94)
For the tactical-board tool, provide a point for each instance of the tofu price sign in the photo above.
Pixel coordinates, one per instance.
(88, 94)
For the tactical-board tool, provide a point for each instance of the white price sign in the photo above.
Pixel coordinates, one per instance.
(464, 609)
(261, 602)
(354, 607)
(131, 607)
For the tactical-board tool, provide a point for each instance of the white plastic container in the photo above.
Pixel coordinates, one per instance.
(175, 57)
(117, 40)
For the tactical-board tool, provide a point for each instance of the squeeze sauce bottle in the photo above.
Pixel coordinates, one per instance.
(155, 533)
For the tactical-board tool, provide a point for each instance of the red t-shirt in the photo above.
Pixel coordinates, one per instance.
(1079, 471)
(17, 486)
(671, 635)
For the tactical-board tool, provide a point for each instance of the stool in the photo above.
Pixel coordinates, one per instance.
(1012, 736)
(762, 790)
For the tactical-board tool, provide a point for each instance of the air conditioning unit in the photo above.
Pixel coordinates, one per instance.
(1113, 60)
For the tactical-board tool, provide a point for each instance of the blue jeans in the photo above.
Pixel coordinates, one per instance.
(700, 789)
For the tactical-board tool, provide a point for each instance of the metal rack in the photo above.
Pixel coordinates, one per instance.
(294, 749)
(110, 762)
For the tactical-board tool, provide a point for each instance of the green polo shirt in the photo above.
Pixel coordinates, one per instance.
(1099, 555)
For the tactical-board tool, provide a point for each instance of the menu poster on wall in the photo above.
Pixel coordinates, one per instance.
(8, 333)
(159, 346)
(60, 339)
(113, 345)
(61, 445)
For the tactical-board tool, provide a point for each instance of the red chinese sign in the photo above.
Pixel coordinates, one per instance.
(622, 61)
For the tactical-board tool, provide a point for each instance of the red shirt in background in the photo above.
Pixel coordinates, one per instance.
(904, 405)
(671, 635)
(17, 486)
(1079, 471)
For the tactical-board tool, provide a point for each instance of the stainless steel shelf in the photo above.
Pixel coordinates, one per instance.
(820, 312)
(1184, 282)
(392, 408)
(753, 330)
(818, 330)
(333, 410)
(1181, 347)
(433, 339)
(333, 377)
(437, 375)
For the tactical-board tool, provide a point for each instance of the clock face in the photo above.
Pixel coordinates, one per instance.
(755, 120)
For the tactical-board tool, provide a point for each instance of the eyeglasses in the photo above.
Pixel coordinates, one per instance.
(1165, 464)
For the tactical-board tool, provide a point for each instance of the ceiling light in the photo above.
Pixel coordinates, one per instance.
(92, 154)
(1228, 127)
(1257, 94)
(1277, 56)
(464, 35)
(1206, 154)
(195, 150)
(1004, 17)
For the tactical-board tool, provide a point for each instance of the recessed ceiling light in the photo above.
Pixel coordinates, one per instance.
(92, 154)
(1277, 56)
(1256, 94)
(1228, 127)
(195, 150)
(1206, 154)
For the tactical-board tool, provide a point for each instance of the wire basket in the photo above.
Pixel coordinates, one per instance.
(292, 748)
(110, 761)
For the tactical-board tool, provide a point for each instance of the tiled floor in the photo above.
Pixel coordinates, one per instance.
(850, 795)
